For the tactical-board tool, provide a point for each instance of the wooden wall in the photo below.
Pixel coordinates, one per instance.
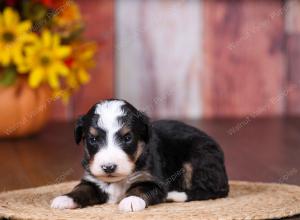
(193, 58)
(219, 58)
(292, 30)
(159, 56)
(99, 19)
(244, 58)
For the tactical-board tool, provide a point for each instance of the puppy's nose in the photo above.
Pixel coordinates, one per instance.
(109, 168)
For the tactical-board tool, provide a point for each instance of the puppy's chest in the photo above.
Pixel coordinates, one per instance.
(115, 192)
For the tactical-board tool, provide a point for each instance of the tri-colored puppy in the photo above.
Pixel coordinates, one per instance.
(135, 163)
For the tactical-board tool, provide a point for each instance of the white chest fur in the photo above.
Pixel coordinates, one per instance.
(115, 191)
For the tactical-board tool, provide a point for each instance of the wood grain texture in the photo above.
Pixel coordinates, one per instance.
(98, 16)
(244, 63)
(53, 157)
(292, 26)
(293, 62)
(292, 16)
(194, 58)
(159, 56)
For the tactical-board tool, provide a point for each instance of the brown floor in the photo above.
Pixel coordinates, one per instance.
(265, 150)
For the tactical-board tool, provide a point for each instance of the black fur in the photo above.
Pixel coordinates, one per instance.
(178, 157)
(87, 193)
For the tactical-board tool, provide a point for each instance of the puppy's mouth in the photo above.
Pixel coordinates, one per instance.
(111, 178)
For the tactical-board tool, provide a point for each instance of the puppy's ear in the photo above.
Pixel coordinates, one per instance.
(78, 131)
(146, 127)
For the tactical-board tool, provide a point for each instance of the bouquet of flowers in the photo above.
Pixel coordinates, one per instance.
(41, 41)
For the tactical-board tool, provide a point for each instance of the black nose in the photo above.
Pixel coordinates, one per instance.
(109, 168)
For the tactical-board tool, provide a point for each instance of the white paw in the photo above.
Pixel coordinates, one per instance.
(63, 202)
(176, 196)
(132, 204)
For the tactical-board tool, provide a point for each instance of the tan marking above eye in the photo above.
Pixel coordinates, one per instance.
(139, 150)
(124, 130)
(93, 131)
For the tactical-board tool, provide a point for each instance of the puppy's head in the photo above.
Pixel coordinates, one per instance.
(114, 134)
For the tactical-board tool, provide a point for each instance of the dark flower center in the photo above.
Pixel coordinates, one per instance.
(8, 37)
(45, 60)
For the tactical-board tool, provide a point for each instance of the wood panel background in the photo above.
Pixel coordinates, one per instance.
(193, 58)
(243, 60)
(159, 54)
(292, 30)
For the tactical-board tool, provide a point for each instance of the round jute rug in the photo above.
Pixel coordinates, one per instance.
(246, 201)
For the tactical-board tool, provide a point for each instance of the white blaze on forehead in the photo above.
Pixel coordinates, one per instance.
(109, 112)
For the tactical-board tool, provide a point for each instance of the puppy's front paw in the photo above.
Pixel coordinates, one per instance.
(63, 202)
(132, 204)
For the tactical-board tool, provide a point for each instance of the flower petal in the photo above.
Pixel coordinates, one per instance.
(61, 69)
(11, 18)
(63, 51)
(46, 38)
(83, 76)
(36, 77)
(72, 82)
(6, 57)
(17, 56)
(53, 80)
(22, 68)
(56, 40)
(24, 27)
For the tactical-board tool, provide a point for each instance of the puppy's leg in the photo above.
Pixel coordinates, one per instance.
(208, 175)
(141, 195)
(84, 194)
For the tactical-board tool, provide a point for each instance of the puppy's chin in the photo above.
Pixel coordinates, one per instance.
(111, 179)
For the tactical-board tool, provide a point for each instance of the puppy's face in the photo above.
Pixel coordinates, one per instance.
(114, 135)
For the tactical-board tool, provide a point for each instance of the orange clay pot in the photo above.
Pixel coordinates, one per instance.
(23, 110)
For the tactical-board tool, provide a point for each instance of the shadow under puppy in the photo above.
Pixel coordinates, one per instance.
(135, 163)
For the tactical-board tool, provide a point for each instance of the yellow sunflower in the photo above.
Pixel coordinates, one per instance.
(13, 35)
(44, 61)
(69, 13)
(79, 62)
(68, 20)
(82, 60)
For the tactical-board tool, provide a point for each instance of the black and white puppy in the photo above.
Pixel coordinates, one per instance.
(135, 163)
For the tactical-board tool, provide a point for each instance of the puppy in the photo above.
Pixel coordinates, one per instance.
(135, 163)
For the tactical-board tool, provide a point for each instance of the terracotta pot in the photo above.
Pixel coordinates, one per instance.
(23, 110)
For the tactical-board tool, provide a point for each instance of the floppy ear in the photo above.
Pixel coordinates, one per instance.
(78, 131)
(146, 131)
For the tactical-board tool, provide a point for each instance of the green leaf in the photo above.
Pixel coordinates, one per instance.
(34, 11)
(9, 76)
(73, 35)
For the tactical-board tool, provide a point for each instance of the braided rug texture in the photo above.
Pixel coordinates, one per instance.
(246, 201)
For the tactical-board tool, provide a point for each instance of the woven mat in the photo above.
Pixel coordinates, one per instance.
(246, 201)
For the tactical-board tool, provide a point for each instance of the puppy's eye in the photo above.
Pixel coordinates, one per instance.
(127, 138)
(93, 140)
